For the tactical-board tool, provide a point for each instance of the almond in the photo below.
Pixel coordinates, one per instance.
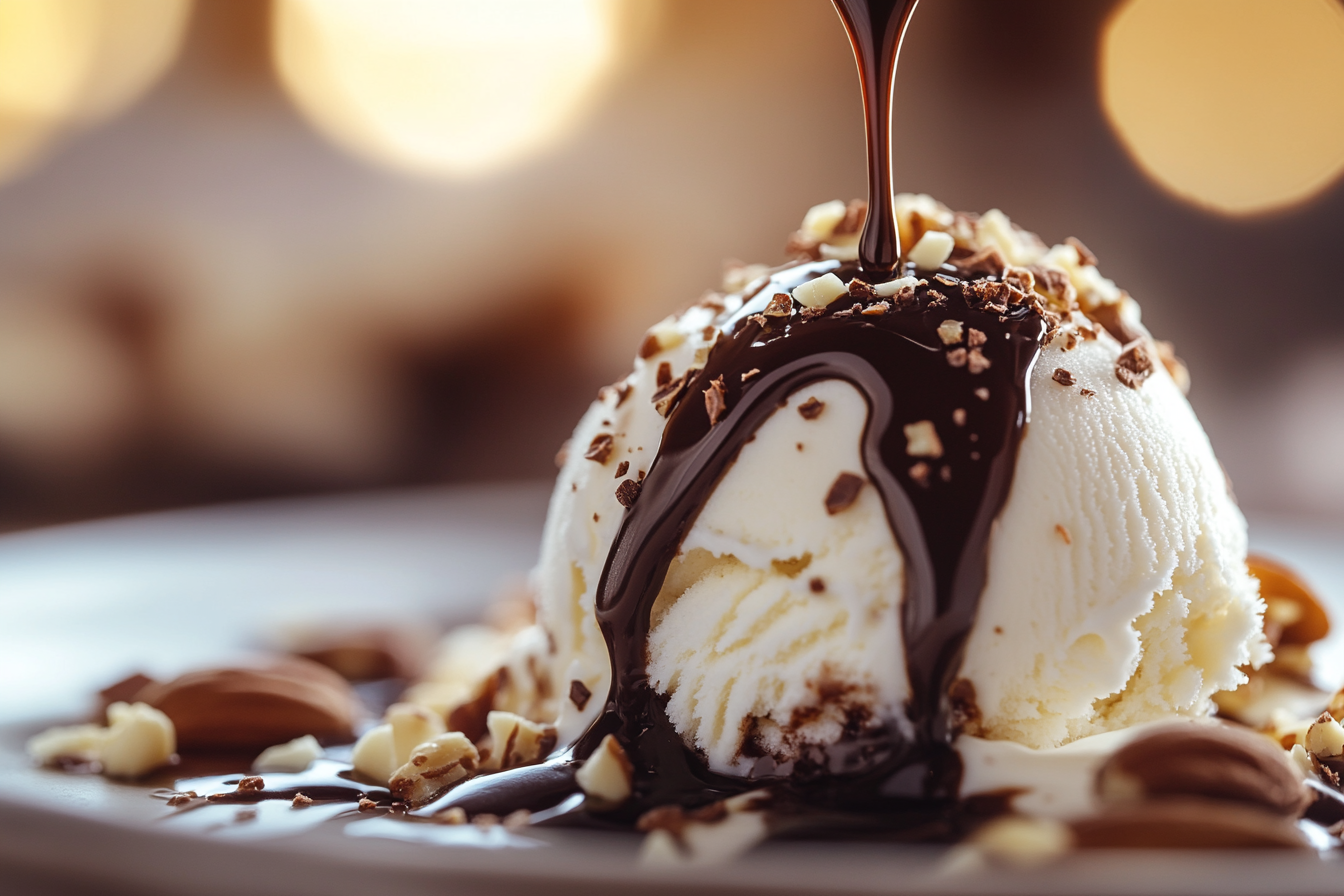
(255, 707)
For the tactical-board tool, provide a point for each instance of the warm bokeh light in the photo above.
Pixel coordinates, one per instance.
(448, 87)
(1236, 105)
(66, 62)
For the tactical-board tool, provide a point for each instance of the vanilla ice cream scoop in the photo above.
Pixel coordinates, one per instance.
(865, 570)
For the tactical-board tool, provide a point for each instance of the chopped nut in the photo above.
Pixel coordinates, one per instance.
(1063, 533)
(1133, 366)
(781, 305)
(812, 408)
(877, 309)
(933, 248)
(516, 741)
(975, 337)
(820, 292)
(579, 694)
(412, 725)
(451, 815)
(920, 473)
(982, 393)
(950, 331)
(843, 493)
(1086, 393)
(957, 357)
(517, 820)
(605, 775)
(433, 767)
(181, 799)
(600, 448)
(139, 739)
(301, 801)
(861, 290)
(751, 374)
(1023, 841)
(373, 755)
(976, 362)
(1085, 256)
(1325, 737)
(715, 400)
(367, 805)
(628, 492)
(921, 439)
(1063, 377)
(251, 784)
(895, 287)
(959, 416)
(290, 758)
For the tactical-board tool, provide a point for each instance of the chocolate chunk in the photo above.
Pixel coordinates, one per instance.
(650, 346)
(1063, 377)
(1084, 254)
(1133, 367)
(666, 398)
(987, 262)
(627, 492)
(579, 694)
(812, 408)
(716, 402)
(817, 584)
(861, 290)
(844, 492)
(621, 468)
(600, 448)
(664, 375)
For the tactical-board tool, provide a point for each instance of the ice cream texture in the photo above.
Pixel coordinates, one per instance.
(1117, 591)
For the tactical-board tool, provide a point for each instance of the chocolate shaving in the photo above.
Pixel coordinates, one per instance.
(628, 492)
(844, 492)
(579, 694)
(812, 408)
(664, 375)
(1063, 377)
(667, 397)
(621, 468)
(1133, 367)
(877, 309)
(600, 448)
(715, 401)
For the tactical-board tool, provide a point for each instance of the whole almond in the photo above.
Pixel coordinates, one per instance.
(1214, 762)
(256, 707)
(1186, 824)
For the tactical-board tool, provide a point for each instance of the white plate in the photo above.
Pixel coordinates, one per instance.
(82, 605)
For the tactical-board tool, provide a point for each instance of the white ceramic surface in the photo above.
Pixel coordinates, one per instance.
(82, 605)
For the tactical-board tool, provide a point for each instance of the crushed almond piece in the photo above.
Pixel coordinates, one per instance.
(976, 362)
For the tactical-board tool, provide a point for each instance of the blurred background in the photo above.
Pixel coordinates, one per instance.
(254, 248)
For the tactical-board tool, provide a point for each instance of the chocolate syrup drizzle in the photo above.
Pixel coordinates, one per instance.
(900, 772)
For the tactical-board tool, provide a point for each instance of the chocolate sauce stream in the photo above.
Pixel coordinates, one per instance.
(876, 31)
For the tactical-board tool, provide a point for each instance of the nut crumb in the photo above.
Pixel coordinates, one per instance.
(751, 374)
(1063, 377)
(1063, 533)
(975, 337)
(982, 393)
(366, 805)
(976, 362)
(957, 357)
(1086, 393)
(1133, 367)
(812, 408)
(920, 474)
(781, 305)
(950, 331)
(301, 801)
(600, 448)
(877, 309)
(843, 493)
(959, 416)
(251, 784)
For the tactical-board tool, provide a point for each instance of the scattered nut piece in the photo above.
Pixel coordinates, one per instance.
(933, 248)
(1086, 393)
(877, 309)
(139, 739)
(367, 805)
(982, 393)
(1325, 737)
(820, 292)
(516, 741)
(812, 408)
(959, 416)
(1063, 377)
(605, 775)
(896, 287)
(1023, 841)
(750, 374)
(301, 801)
(517, 820)
(291, 757)
(843, 493)
(452, 815)
(920, 473)
(373, 755)
(975, 337)
(622, 468)
(433, 767)
(921, 439)
(950, 331)
(957, 357)
(716, 402)
(976, 362)
(412, 725)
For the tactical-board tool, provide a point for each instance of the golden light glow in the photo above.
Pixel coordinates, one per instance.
(1236, 105)
(448, 87)
(66, 62)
